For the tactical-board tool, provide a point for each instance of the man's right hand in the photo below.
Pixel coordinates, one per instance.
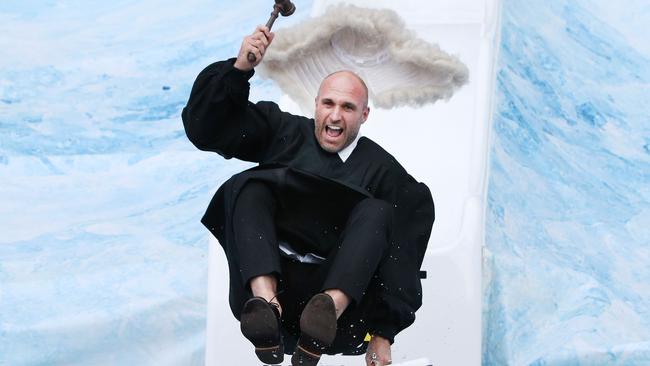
(256, 43)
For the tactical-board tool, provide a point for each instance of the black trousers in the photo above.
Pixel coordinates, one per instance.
(351, 231)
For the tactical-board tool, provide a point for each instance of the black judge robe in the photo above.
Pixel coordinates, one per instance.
(218, 117)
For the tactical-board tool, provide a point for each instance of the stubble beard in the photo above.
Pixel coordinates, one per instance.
(337, 149)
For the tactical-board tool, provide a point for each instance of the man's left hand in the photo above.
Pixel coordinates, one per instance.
(378, 353)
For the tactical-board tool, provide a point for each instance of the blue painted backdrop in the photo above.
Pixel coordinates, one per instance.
(568, 223)
(102, 257)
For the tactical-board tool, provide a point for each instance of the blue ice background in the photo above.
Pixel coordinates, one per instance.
(102, 256)
(568, 224)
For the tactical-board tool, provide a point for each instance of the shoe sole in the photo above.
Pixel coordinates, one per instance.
(317, 330)
(260, 324)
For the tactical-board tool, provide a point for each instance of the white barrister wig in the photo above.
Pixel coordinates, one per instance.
(399, 68)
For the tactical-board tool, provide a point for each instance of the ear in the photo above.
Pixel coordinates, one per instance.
(364, 114)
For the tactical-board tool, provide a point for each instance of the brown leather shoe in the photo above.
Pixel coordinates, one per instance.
(317, 330)
(260, 324)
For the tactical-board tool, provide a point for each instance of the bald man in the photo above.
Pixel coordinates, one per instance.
(325, 237)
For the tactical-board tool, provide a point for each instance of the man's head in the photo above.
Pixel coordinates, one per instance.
(341, 108)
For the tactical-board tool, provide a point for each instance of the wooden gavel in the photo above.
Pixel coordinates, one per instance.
(284, 7)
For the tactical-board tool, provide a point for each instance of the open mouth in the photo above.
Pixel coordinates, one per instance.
(333, 131)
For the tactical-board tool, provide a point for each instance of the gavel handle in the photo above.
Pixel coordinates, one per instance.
(274, 15)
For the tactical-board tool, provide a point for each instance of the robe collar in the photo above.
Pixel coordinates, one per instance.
(347, 151)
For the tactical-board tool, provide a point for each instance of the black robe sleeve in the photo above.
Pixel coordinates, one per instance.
(218, 116)
(400, 291)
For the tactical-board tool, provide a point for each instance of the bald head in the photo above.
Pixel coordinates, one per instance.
(341, 109)
(348, 75)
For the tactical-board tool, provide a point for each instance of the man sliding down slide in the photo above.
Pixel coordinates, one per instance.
(326, 236)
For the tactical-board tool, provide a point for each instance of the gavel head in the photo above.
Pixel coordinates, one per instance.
(286, 7)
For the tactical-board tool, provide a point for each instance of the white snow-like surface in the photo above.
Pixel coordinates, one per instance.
(444, 145)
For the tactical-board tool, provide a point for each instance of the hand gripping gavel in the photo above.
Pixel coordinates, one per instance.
(284, 7)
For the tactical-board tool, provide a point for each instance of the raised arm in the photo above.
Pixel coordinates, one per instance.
(218, 116)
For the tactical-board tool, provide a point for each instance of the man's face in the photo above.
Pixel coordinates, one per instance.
(341, 108)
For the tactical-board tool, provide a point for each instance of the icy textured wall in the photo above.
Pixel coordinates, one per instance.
(568, 224)
(102, 256)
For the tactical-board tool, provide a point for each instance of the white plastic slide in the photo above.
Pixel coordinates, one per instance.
(445, 145)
